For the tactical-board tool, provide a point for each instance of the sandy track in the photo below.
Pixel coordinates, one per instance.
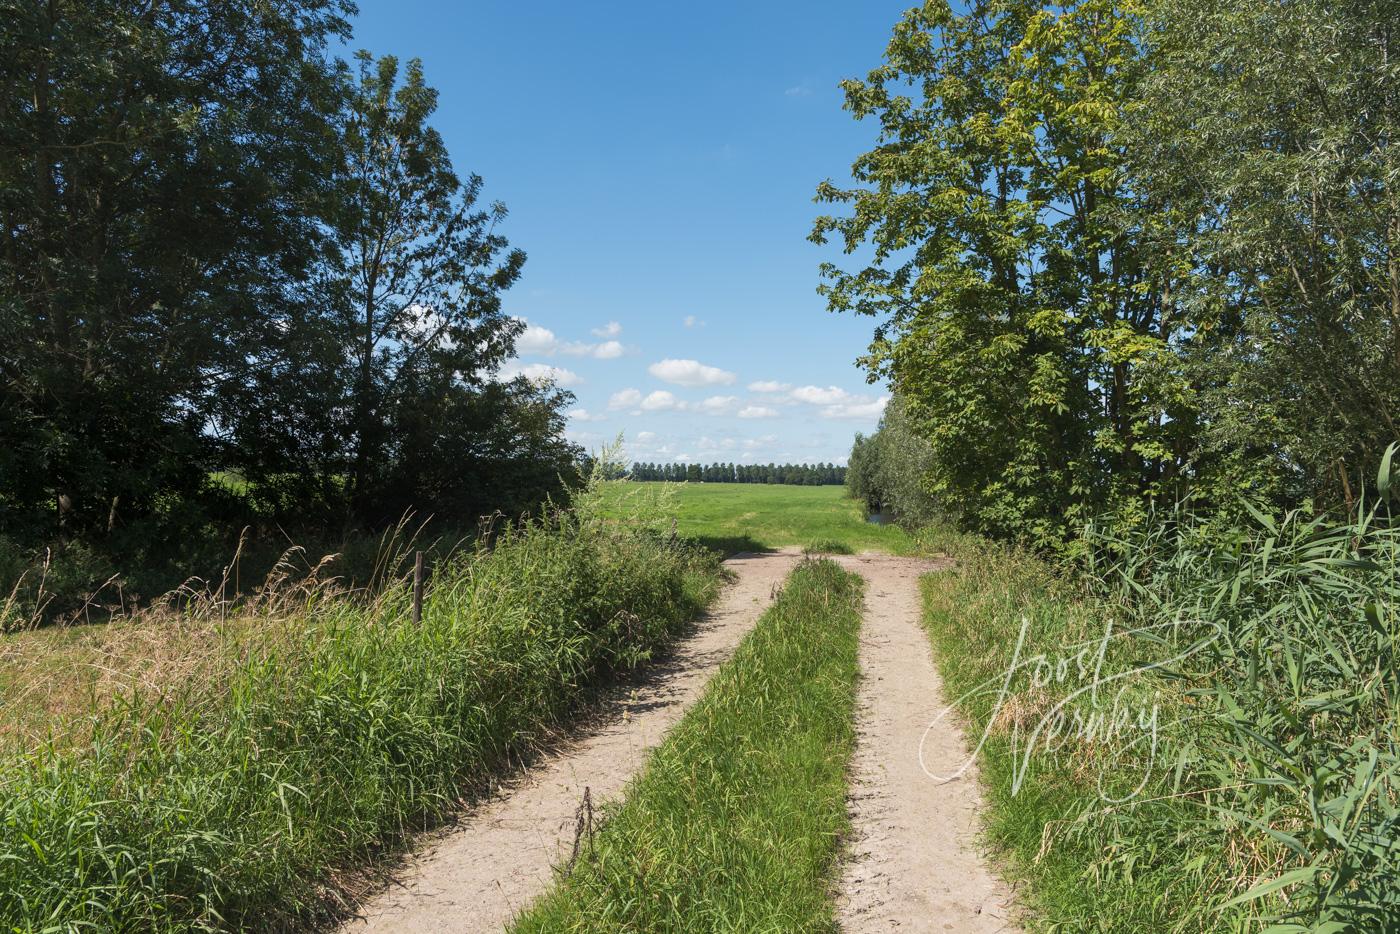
(914, 863)
(499, 856)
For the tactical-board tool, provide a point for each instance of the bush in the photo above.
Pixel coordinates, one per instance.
(57, 581)
(1267, 789)
(889, 470)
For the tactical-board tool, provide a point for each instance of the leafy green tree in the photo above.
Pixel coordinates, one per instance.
(422, 267)
(1017, 317)
(889, 470)
(422, 264)
(393, 363)
(1267, 132)
(162, 187)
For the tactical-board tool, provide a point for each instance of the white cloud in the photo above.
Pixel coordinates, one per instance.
(816, 395)
(542, 341)
(690, 373)
(661, 401)
(801, 90)
(645, 436)
(536, 340)
(540, 373)
(693, 322)
(608, 350)
(718, 405)
(856, 409)
(583, 415)
(624, 399)
(757, 411)
(769, 385)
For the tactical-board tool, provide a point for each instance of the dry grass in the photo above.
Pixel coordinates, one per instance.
(186, 646)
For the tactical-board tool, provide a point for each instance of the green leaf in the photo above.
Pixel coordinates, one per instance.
(1291, 877)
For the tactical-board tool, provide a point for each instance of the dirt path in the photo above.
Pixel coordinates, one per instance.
(914, 864)
(480, 873)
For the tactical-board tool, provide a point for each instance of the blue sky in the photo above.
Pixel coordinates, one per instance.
(658, 161)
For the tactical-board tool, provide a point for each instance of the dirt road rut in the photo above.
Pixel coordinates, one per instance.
(914, 863)
(499, 856)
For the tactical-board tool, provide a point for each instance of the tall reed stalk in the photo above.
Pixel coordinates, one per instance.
(1296, 689)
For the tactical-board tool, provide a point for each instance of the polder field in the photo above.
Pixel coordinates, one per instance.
(735, 517)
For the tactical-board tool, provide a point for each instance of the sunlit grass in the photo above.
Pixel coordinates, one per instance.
(211, 773)
(753, 516)
(1265, 655)
(734, 825)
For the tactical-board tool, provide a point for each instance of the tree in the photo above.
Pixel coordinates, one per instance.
(162, 189)
(421, 268)
(1017, 317)
(890, 469)
(1269, 131)
(395, 359)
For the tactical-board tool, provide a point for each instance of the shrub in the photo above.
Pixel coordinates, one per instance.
(1265, 790)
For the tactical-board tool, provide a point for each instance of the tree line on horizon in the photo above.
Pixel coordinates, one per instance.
(242, 283)
(791, 474)
(1124, 255)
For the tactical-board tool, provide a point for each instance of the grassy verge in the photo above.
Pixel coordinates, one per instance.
(734, 517)
(299, 742)
(734, 824)
(1198, 734)
(1035, 801)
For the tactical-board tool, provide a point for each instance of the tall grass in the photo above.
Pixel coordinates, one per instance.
(734, 825)
(1266, 793)
(225, 801)
(1040, 813)
(1297, 690)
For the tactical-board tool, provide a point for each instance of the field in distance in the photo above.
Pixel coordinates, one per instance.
(734, 517)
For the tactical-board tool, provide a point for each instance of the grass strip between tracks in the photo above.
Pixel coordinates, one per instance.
(735, 823)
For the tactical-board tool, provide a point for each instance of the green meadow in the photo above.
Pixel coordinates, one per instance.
(734, 517)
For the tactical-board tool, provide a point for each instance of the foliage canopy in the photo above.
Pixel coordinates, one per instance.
(1129, 252)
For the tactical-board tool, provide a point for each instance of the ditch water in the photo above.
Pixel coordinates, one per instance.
(878, 518)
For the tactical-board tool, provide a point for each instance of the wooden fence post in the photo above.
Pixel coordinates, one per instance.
(417, 588)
